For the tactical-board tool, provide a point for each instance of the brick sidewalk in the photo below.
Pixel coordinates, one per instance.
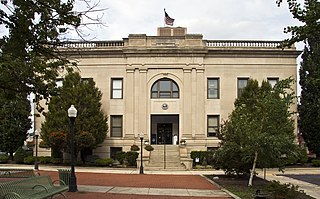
(136, 180)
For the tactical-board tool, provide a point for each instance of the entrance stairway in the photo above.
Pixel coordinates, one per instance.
(165, 157)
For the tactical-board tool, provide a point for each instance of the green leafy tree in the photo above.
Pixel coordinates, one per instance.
(309, 33)
(260, 131)
(15, 121)
(91, 124)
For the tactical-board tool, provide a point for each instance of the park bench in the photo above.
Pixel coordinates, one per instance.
(17, 173)
(37, 187)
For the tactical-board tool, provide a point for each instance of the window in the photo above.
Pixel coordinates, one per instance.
(273, 81)
(213, 88)
(116, 126)
(116, 86)
(213, 125)
(114, 151)
(165, 88)
(242, 83)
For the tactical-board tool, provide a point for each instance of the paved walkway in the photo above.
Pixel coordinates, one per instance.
(113, 183)
(312, 190)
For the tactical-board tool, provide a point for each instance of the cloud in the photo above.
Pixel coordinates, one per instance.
(215, 19)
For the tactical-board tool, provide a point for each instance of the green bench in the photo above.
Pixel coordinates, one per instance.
(31, 188)
(17, 173)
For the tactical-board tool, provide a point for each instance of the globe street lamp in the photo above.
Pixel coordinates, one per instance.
(36, 135)
(141, 164)
(72, 114)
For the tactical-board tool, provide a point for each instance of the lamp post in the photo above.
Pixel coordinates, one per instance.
(36, 135)
(72, 114)
(141, 163)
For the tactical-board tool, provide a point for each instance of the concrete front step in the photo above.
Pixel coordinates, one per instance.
(171, 160)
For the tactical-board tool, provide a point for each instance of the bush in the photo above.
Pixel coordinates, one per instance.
(20, 155)
(131, 157)
(205, 158)
(56, 160)
(44, 159)
(90, 159)
(148, 148)
(4, 159)
(134, 148)
(315, 163)
(120, 156)
(280, 191)
(29, 160)
(103, 162)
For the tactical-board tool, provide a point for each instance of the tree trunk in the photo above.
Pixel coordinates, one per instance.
(253, 169)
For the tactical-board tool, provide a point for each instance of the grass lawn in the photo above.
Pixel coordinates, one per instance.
(239, 186)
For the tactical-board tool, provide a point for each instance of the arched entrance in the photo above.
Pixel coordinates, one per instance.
(164, 129)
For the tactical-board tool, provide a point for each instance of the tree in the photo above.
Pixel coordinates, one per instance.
(309, 33)
(15, 121)
(91, 124)
(259, 132)
(29, 52)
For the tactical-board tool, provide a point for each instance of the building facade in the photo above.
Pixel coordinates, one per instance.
(174, 86)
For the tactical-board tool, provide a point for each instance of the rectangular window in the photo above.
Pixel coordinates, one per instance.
(116, 125)
(273, 81)
(213, 125)
(114, 151)
(242, 83)
(213, 88)
(116, 88)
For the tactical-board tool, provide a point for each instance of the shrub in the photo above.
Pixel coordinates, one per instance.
(90, 159)
(315, 163)
(280, 191)
(120, 156)
(103, 162)
(56, 160)
(4, 159)
(131, 157)
(205, 157)
(148, 148)
(45, 159)
(29, 160)
(20, 155)
(134, 148)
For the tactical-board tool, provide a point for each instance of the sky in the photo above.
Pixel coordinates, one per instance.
(214, 19)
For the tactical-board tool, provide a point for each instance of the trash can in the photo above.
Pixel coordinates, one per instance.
(64, 175)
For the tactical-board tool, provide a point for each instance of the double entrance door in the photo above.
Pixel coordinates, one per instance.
(164, 133)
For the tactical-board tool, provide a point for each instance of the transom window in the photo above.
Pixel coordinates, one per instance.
(165, 88)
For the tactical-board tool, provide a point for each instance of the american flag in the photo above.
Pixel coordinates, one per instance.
(168, 20)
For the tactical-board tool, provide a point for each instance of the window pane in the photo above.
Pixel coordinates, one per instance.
(155, 87)
(212, 121)
(213, 83)
(117, 94)
(116, 121)
(174, 87)
(165, 86)
(242, 83)
(117, 84)
(116, 132)
(213, 94)
(273, 81)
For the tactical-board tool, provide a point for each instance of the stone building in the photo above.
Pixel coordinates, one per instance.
(175, 86)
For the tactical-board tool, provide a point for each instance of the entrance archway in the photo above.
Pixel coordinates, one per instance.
(164, 129)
